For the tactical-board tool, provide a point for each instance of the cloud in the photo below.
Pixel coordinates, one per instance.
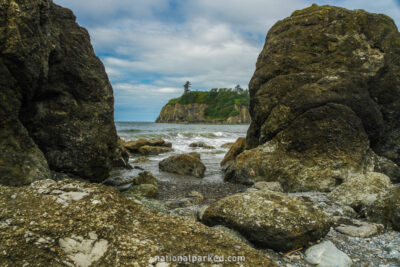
(150, 48)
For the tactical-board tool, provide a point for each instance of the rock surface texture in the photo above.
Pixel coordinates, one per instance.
(56, 102)
(270, 219)
(325, 97)
(185, 164)
(195, 113)
(70, 223)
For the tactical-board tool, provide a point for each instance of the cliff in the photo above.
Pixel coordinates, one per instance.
(222, 106)
(325, 101)
(56, 102)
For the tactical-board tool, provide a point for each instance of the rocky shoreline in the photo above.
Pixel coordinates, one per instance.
(315, 182)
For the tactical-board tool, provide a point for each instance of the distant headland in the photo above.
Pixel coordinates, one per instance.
(223, 105)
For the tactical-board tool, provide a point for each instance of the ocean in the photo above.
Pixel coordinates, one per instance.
(181, 136)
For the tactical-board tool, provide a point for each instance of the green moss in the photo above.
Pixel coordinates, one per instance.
(222, 103)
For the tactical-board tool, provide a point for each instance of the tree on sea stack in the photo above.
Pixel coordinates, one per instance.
(186, 87)
(238, 89)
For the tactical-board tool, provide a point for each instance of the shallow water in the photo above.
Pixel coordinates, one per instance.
(181, 135)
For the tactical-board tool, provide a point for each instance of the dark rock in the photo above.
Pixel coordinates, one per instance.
(154, 150)
(142, 190)
(326, 89)
(134, 146)
(202, 145)
(197, 144)
(386, 210)
(56, 102)
(270, 219)
(235, 149)
(185, 164)
(227, 145)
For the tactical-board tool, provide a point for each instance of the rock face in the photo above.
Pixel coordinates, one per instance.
(80, 224)
(195, 113)
(235, 149)
(387, 209)
(56, 102)
(362, 190)
(326, 90)
(270, 219)
(185, 164)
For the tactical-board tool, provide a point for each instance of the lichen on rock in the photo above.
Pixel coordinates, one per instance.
(99, 229)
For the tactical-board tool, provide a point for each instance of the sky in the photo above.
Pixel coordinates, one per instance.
(150, 48)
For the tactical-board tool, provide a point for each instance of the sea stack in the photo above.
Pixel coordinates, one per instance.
(56, 102)
(324, 101)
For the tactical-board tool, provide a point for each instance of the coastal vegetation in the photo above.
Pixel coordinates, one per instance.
(222, 103)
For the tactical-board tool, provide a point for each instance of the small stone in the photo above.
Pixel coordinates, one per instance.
(327, 255)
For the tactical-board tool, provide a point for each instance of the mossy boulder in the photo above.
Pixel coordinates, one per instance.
(310, 154)
(56, 102)
(270, 219)
(70, 223)
(362, 191)
(326, 89)
(185, 164)
(386, 210)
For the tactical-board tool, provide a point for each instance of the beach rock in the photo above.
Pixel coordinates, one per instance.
(326, 254)
(360, 229)
(386, 210)
(144, 190)
(123, 161)
(272, 186)
(227, 145)
(73, 223)
(198, 144)
(362, 190)
(302, 162)
(235, 235)
(235, 149)
(270, 219)
(56, 108)
(388, 167)
(202, 145)
(186, 213)
(141, 160)
(194, 198)
(326, 89)
(134, 146)
(154, 150)
(185, 164)
(145, 178)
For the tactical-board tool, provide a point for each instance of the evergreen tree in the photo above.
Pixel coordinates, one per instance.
(186, 87)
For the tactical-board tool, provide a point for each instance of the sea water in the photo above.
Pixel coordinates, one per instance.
(181, 136)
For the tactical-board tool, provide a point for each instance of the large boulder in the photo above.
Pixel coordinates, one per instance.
(70, 223)
(386, 210)
(270, 219)
(56, 102)
(185, 164)
(361, 191)
(326, 89)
